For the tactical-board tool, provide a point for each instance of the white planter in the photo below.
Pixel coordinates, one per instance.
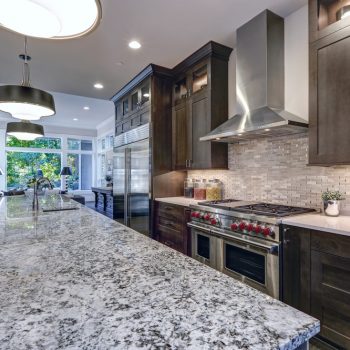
(331, 208)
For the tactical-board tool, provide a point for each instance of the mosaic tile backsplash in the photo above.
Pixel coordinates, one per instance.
(275, 170)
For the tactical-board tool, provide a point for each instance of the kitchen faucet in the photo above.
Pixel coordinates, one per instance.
(39, 183)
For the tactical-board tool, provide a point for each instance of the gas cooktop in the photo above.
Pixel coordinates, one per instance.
(266, 209)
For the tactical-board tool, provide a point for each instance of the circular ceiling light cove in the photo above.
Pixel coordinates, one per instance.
(63, 19)
(25, 130)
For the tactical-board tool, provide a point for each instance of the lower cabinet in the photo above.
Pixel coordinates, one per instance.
(170, 226)
(316, 280)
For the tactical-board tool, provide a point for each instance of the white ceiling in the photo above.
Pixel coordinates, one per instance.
(169, 31)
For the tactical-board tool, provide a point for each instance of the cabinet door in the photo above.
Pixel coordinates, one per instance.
(330, 288)
(329, 100)
(180, 136)
(296, 268)
(327, 17)
(200, 151)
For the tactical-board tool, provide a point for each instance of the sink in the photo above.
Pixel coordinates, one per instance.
(59, 209)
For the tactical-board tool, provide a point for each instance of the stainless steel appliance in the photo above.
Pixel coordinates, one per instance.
(260, 85)
(241, 239)
(131, 178)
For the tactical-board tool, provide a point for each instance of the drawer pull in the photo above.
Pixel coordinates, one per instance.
(168, 208)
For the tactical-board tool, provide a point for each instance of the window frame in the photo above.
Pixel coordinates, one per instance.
(64, 151)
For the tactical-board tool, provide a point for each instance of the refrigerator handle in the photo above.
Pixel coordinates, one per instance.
(127, 186)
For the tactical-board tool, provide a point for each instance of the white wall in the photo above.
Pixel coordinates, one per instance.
(106, 127)
(297, 63)
(296, 66)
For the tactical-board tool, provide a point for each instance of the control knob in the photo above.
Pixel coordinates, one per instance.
(258, 229)
(213, 221)
(207, 217)
(267, 231)
(250, 227)
(242, 226)
(234, 226)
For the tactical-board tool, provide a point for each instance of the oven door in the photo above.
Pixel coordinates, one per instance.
(204, 245)
(255, 264)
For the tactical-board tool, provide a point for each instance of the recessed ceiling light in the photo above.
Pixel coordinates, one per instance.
(75, 119)
(86, 108)
(98, 86)
(134, 44)
(58, 19)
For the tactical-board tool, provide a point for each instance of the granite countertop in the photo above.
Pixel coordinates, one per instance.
(78, 280)
(339, 225)
(185, 202)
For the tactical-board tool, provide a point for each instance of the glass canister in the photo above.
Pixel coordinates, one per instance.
(188, 188)
(200, 189)
(214, 190)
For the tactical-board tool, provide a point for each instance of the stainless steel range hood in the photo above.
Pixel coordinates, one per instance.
(260, 84)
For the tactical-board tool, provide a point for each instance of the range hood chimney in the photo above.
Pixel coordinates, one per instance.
(260, 84)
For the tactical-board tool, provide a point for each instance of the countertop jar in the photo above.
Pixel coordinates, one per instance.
(214, 190)
(188, 188)
(200, 189)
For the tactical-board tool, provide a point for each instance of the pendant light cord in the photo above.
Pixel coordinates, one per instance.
(26, 70)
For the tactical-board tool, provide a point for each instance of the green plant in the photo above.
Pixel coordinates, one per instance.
(332, 195)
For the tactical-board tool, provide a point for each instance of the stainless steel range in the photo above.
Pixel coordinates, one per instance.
(241, 239)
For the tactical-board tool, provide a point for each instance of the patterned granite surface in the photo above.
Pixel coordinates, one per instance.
(78, 280)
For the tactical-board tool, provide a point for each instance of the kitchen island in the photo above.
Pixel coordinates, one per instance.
(76, 279)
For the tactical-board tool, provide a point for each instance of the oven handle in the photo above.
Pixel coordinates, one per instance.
(271, 249)
(190, 224)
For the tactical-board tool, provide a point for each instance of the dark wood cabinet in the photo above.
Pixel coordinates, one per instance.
(105, 203)
(316, 280)
(133, 101)
(329, 143)
(327, 17)
(296, 268)
(200, 104)
(171, 226)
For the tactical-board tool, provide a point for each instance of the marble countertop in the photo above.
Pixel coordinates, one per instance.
(78, 280)
(339, 225)
(185, 202)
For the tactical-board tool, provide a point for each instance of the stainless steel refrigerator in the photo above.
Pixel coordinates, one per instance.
(132, 178)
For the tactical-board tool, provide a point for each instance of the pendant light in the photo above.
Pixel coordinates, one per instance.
(24, 130)
(23, 101)
(60, 19)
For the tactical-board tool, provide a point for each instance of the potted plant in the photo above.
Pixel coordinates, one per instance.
(331, 202)
(108, 179)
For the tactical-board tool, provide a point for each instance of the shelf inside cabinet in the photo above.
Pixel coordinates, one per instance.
(180, 89)
(200, 79)
(331, 11)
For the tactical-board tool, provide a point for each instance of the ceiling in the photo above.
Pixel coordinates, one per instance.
(168, 30)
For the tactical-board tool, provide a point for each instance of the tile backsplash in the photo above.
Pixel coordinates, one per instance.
(275, 170)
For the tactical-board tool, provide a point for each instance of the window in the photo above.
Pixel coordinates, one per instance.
(25, 159)
(23, 166)
(43, 142)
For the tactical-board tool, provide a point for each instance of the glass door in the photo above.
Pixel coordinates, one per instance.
(139, 187)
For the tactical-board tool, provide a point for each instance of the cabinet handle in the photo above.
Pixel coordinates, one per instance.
(190, 163)
(168, 208)
(286, 241)
(186, 163)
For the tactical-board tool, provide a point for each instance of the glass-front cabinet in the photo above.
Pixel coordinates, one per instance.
(104, 159)
(327, 17)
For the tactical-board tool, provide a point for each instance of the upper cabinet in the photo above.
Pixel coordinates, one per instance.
(329, 107)
(327, 17)
(200, 104)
